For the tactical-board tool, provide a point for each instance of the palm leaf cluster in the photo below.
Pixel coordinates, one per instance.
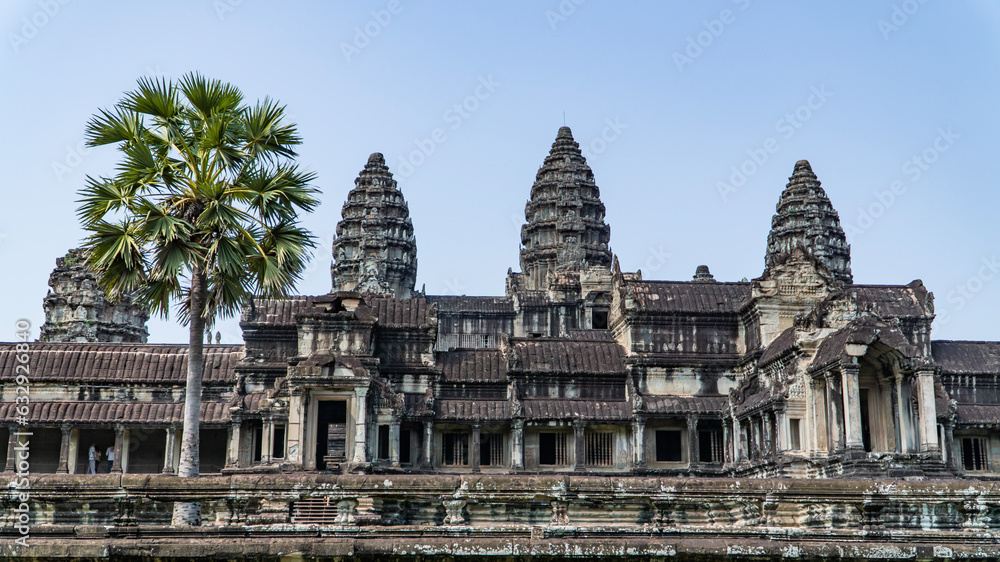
(206, 183)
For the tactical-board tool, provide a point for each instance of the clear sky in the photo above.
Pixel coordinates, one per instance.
(692, 116)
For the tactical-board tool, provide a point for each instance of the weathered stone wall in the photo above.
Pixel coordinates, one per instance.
(508, 517)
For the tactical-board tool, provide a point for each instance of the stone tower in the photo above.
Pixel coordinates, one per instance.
(806, 219)
(565, 217)
(375, 251)
(76, 309)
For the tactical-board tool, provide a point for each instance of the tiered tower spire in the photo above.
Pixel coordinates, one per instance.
(76, 309)
(806, 219)
(565, 216)
(375, 251)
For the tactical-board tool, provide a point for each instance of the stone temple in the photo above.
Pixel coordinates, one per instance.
(586, 412)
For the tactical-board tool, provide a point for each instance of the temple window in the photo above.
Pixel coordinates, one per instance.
(278, 442)
(975, 455)
(552, 449)
(455, 449)
(668, 445)
(491, 448)
(794, 434)
(383, 442)
(710, 445)
(599, 448)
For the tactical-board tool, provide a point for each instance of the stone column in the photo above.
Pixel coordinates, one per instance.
(429, 444)
(927, 412)
(360, 426)
(517, 444)
(902, 424)
(295, 431)
(475, 453)
(11, 465)
(781, 432)
(693, 451)
(737, 441)
(579, 430)
(168, 450)
(266, 440)
(116, 465)
(233, 445)
(852, 406)
(394, 443)
(64, 450)
(835, 416)
(639, 442)
(727, 443)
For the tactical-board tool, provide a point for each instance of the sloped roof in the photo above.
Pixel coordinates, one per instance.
(559, 356)
(482, 305)
(891, 301)
(690, 298)
(576, 409)
(479, 365)
(863, 331)
(485, 410)
(155, 413)
(979, 414)
(111, 363)
(781, 344)
(967, 357)
(675, 404)
(399, 313)
(278, 312)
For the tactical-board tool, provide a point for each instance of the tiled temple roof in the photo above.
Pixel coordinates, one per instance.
(892, 301)
(687, 297)
(967, 357)
(480, 365)
(111, 363)
(484, 410)
(399, 313)
(660, 404)
(106, 412)
(482, 305)
(781, 345)
(576, 409)
(863, 332)
(278, 312)
(558, 356)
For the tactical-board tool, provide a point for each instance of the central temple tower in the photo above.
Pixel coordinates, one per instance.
(565, 227)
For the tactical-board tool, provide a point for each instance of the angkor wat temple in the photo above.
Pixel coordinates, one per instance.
(587, 411)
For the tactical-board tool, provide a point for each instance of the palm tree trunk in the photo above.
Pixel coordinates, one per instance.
(189, 513)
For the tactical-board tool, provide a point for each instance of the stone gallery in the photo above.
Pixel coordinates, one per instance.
(586, 412)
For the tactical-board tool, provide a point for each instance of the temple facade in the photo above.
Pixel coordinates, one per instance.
(580, 368)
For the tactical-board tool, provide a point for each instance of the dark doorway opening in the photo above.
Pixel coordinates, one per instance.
(331, 432)
(866, 428)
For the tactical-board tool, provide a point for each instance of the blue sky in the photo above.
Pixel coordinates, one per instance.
(692, 117)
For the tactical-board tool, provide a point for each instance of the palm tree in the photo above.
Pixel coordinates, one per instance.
(201, 212)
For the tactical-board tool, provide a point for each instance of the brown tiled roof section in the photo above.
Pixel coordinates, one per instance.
(484, 305)
(280, 312)
(781, 344)
(399, 313)
(967, 357)
(533, 298)
(690, 298)
(661, 404)
(576, 409)
(485, 410)
(481, 365)
(156, 413)
(560, 356)
(889, 301)
(861, 332)
(119, 363)
(979, 414)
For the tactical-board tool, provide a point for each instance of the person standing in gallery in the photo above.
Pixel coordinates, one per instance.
(111, 457)
(92, 458)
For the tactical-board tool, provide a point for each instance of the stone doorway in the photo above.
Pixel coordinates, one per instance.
(331, 432)
(101, 439)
